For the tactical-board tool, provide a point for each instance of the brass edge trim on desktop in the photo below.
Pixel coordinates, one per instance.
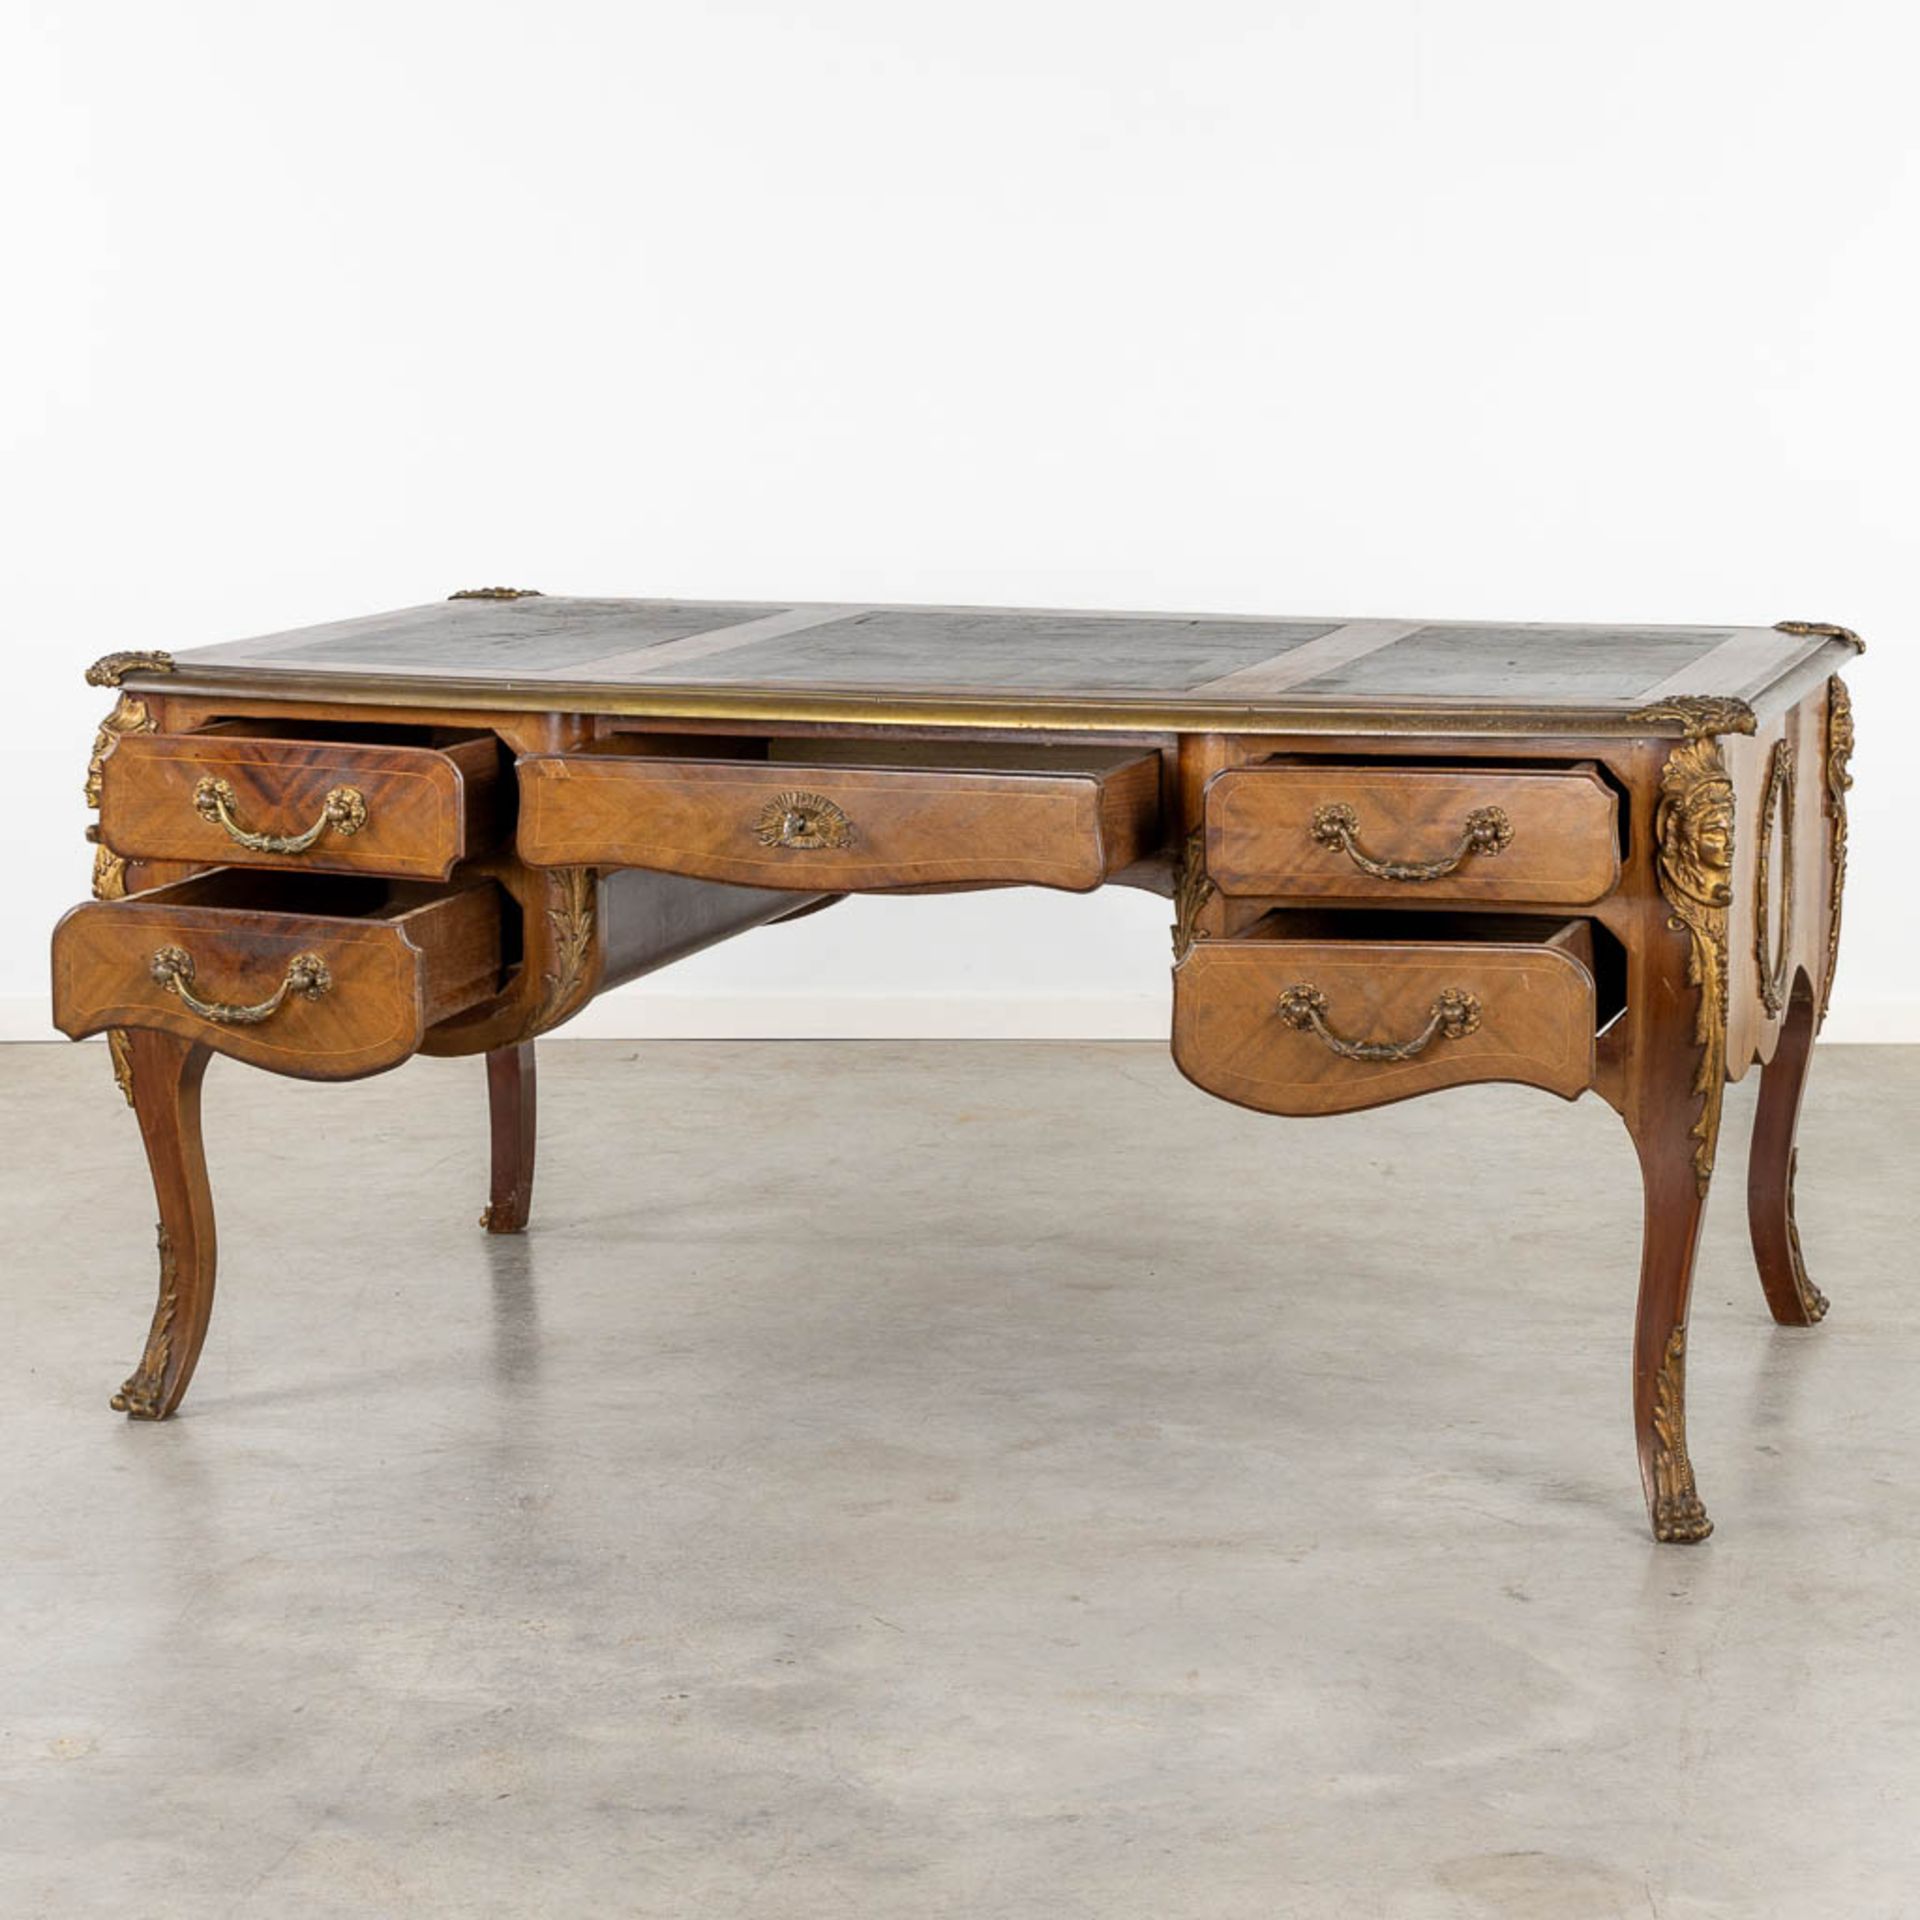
(1665, 719)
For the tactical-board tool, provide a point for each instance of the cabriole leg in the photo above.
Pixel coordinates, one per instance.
(166, 1098)
(1791, 1296)
(511, 1112)
(1675, 1190)
(1674, 1105)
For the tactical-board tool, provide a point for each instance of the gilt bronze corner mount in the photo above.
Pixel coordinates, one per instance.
(112, 668)
(1693, 829)
(1699, 716)
(1822, 629)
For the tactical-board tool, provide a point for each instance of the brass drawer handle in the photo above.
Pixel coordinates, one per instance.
(1455, 1014)
(803, 820)
(1487, 830)
(306, 975)
(344, 810)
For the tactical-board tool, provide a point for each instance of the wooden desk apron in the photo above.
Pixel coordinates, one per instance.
(1401, 856)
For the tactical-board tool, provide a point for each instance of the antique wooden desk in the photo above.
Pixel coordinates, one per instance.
(1402, 856)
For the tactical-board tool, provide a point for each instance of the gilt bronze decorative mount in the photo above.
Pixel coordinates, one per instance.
(808, 822)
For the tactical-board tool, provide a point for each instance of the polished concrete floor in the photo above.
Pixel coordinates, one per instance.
(950, 1480)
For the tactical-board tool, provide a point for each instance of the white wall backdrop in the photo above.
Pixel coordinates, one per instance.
(1500, 308)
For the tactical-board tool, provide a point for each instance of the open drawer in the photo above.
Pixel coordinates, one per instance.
(892, 816)
(325, 978)
(250, 794)
(1325, 1012)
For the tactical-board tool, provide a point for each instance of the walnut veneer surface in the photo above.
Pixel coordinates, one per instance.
(1402, 856)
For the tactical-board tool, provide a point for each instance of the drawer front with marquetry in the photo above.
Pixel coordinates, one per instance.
(236, 799)
(1377, 831)
(843, 828)
(1304, 1018)
(325, 978)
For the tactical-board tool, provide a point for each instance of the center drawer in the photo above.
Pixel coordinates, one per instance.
(1323, 1012)
(1387, 832)
(247, 795)
(322, 977)
(906, 816)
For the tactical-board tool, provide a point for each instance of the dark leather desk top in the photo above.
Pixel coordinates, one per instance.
(1019, 667)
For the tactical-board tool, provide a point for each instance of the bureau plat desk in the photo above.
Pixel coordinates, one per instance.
(1402, 856)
